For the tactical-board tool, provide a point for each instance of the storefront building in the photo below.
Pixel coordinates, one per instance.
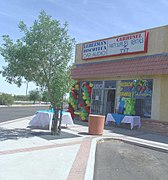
(131, 65)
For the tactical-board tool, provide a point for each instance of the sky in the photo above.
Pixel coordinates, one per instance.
(88, 20)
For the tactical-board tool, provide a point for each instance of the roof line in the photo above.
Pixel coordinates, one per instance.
(132, 58)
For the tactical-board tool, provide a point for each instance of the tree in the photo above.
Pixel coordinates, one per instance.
(34, 95)
(45, 96)
(20, 98)
(6, 99)
(43, 55)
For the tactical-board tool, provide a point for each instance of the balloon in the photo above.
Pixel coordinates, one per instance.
(86, 108)
(84, 97)
(87, 102)
(73, 92)
(81, 104)
(82, 108)
(83, 118)
(70, 94)
(76, 92)
(85, 89)
(87, 99)
(91, 85)
(85, 113)
(72, 115)
(76, 97)
(86, 93)
(76, 86)
(90, 91)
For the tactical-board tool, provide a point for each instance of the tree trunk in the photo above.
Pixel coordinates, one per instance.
(54, 129)
(60, 120)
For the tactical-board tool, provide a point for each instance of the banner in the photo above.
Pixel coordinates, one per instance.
(135, 88)
(121, 45)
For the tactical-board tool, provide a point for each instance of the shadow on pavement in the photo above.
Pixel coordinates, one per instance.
(48, 136)
(14, 134)
(84, 133)
(17, 133)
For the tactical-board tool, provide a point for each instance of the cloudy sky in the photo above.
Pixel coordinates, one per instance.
(87, 19)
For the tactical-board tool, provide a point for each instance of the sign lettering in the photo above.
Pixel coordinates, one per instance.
(131, 43)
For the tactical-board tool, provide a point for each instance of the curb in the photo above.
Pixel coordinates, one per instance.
(91, 160)
(162, 147)
(24, 105)
(15, 120)
(139, 142)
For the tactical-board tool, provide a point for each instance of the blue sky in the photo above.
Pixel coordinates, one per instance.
(87, 19)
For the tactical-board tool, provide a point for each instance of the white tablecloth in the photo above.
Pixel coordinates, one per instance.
(133, 120)
(43, 119)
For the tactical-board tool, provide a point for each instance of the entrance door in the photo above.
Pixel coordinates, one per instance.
(96, 101)
(109, 101)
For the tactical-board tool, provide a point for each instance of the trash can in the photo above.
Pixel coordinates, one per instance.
(96, 124)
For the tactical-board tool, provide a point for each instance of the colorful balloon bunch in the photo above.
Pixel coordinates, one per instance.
(73, 98)
(85, 105)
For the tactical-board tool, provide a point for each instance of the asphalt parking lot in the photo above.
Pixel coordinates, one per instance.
(116, 160)
(15, 112)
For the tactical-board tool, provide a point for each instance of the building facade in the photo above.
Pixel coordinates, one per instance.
(130, 65)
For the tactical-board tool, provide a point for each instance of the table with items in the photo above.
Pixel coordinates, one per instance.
(43, 118)
(120, 118)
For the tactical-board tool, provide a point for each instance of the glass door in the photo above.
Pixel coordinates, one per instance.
(97, 101)
(109, 101)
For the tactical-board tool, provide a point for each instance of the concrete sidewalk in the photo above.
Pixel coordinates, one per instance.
(35, 154)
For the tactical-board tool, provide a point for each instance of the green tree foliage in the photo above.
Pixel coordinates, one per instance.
(6, 99)
(34, 96)
(43, 55)
(45, 96)
(20, 98)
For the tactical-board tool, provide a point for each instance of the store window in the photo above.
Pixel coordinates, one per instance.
(141, 91)
(110, 84)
